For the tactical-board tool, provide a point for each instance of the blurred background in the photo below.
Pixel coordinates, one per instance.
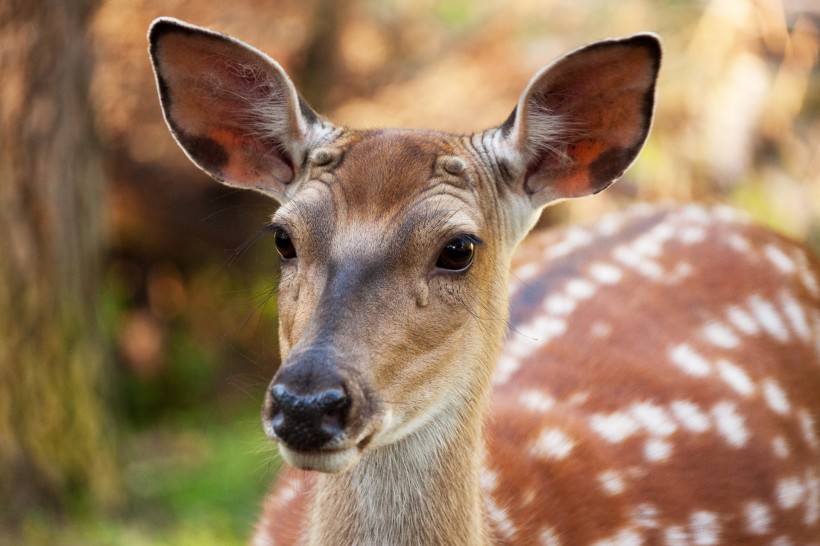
(137, 302)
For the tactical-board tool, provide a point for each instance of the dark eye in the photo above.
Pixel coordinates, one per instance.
(457, 255)
(284, 244)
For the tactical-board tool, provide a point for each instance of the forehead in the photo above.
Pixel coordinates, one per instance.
(390, 177)
(383, 172)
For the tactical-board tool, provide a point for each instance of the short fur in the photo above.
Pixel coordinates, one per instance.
(659, 383)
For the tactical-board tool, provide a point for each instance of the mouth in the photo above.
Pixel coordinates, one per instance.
(337, 456)
(325, 460)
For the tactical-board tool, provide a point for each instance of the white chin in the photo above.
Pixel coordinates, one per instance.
(322, 461)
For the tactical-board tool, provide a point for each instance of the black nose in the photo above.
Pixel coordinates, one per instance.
(308, 421)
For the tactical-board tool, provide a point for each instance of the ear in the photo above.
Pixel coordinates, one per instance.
(581, 120)
(231, 108)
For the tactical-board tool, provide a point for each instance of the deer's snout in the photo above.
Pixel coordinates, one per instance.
(308, 421)
(310, 404)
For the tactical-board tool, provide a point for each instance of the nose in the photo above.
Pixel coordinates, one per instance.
(306, 419)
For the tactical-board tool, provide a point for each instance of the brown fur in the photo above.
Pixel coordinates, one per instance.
(630, 365)
(658, 384)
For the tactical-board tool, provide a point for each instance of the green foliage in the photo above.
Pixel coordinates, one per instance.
(189, 483)
(184, 384)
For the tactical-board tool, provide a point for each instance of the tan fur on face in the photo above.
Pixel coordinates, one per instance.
(390, 204)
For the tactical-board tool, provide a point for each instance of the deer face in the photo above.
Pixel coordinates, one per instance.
(388, 249)
(395, 244)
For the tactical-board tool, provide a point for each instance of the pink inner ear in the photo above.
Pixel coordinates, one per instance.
(228, 109)
(599, 100)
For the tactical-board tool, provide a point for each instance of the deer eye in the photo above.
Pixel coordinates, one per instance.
(284, 244)
(457, 254)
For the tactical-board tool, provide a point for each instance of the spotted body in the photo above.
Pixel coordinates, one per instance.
(649, 379)
(660, 385)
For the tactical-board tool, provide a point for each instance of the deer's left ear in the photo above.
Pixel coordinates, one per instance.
(582, 120)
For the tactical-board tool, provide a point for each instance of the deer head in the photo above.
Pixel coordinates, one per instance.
(395, 244)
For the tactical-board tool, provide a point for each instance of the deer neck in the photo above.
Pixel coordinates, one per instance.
(423, 489)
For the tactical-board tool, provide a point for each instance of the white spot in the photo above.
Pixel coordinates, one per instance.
(690, 416)
(689, 361)
(656, 450)
(505, 368)
(626, 537)
(615, 427)
(647, 246)
(728, 214)
(605, 273)
(758, 517)
(692, 234)
(502, 522)
(600, 329)
(645, 516)
(574, 239)
(797, 317)
(548, 537)
(782, 541)
(664, 231)
(536, 401)
(527, 271)
(675, 535)
(704, 528)
(775, 397)
(719, 335)
(578, 398)
(547, 328)
(580, 289)
(628, 257)
(612, 482)
(790, 492)
(735, 377)
(552, 444)
(742, 320)
(779, 258)
(768, 317)
(810, 282)
(730, 425)
(695, 213)
(681, 271)
(559, 304)
(487, 479)
(781, 447)
(807, 427)
(653, 418)
(739, 243)
(610, 224)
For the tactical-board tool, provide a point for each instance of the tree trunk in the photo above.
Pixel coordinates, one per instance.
(54, 442)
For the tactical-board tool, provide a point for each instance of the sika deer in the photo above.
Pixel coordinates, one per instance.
(660, 382)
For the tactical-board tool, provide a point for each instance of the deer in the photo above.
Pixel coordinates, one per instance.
(652, 378)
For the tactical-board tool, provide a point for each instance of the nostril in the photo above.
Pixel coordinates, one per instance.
(308, 421)
(331, 399)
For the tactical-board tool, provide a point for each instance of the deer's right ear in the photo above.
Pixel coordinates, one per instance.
(231, 108)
